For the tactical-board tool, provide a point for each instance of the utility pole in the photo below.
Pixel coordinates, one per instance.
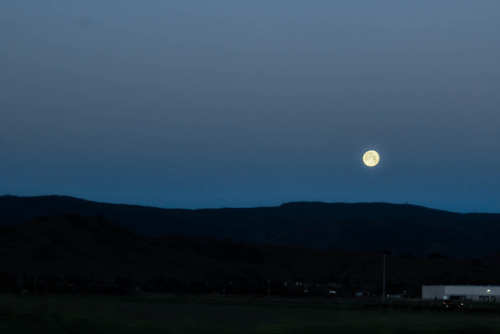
(383, 280)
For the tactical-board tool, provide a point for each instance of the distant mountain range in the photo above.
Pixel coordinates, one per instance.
(400, 229)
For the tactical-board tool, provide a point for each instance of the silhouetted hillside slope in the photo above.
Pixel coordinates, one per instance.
(73, 253)
(361, 226)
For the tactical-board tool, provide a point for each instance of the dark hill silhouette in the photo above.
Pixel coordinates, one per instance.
(359, 226)
(72, 253)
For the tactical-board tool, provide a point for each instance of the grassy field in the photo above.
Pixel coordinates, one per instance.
(98, 314)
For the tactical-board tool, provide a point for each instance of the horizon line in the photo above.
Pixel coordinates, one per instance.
(247, 207)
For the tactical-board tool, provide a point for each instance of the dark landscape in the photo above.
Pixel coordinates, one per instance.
(170, 314)
(80, 270)
(59, 244)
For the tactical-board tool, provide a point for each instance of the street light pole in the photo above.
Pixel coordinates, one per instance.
(383, 281)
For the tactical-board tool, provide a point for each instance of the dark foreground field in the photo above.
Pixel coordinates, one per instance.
(66, 314)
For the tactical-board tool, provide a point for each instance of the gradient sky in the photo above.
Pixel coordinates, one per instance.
(196, 104)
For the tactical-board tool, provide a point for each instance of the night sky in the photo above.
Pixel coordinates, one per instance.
(198, 104)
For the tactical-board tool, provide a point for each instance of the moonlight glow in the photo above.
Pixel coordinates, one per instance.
(371, 158)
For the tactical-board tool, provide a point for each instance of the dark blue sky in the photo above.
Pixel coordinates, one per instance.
(247, 103)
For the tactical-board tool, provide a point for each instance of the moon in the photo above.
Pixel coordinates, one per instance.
(371, 158)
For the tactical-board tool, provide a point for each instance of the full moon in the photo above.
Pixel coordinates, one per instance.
(371, 158)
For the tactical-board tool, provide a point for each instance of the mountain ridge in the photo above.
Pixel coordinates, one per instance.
(402, 228)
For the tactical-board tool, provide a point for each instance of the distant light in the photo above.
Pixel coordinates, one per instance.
(488, 291)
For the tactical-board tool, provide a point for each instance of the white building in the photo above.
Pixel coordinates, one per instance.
(480, 293)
